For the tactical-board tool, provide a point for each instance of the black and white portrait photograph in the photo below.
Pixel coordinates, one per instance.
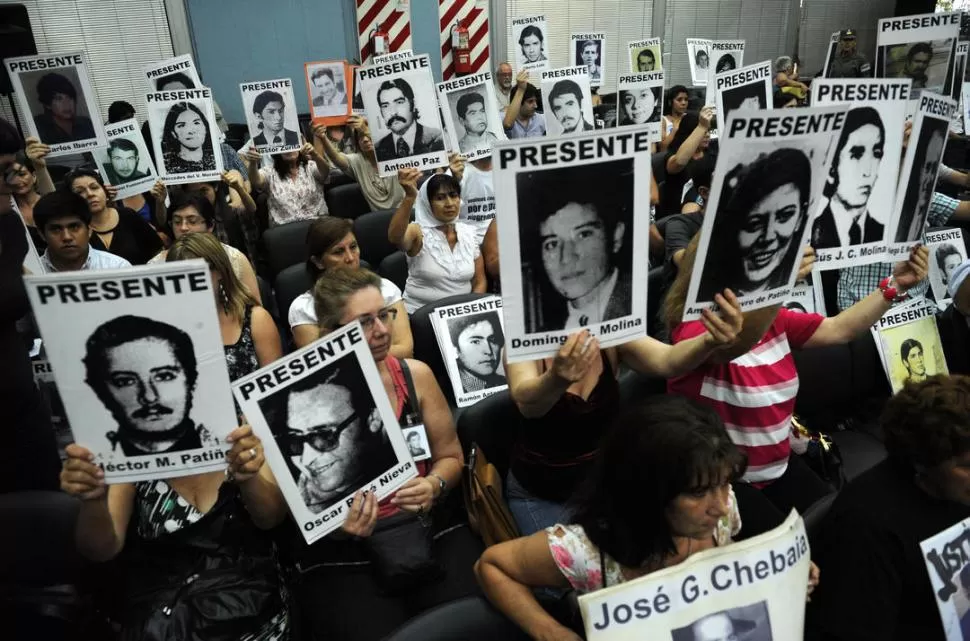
(185, 135)
(125, 163)
(924, 54)
(327, 427)
(471, 338)
(763, 195)
(357, 98)
(271, 115)
(173, 74)
(640, 101)
(802, 299)
(529, 43)
(746, 623)
(568, 100)
(725, 56)
(139, 367)
(831, 52)
(327, 85)
(747, 88)
(402, 110)
(589, 50)
(947, 252)
(472, 117)
(910, 345)
(417, 442)
(698, 57)
(59, 105)
(860, 188)
(644, 55)
(921, 166)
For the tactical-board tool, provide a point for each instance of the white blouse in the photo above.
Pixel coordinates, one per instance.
(303, 312)
(438, 271)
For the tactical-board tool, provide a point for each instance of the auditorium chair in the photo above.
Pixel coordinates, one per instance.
(658, 165)
(395, 269)
(338, 179)
(347, 201)
(426, 345)
(492, 423)
(467, 619)
(655, 294)
(285, 245)
(815, 515)
(290, 283)
(371, 232)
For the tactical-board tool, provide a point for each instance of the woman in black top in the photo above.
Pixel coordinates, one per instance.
(690, 143)
(117, 229)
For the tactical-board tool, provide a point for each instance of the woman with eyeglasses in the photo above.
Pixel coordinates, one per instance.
(342, 593)
(331, 244)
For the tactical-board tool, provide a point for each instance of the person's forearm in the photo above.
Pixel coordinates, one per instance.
(517, 602)
(689, 148)
(252, 169)
(263, 501)
(684, 357)
(449, 468)
(399, 222)
(247, 200)
(537, 395)
(45, 184)
(323, 169)
(513, 110)
(860, 317)
(479, 282)
(94, 533)
(962, 212)
(334, 154)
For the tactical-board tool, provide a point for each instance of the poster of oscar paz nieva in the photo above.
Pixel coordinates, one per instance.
(138, 362)
(572, 214)
(753, 590)
(327, 427)
(769, 175)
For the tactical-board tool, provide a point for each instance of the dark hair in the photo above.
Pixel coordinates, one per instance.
(527, 93)
(10, 140)
(125, 329)
(467, 101)
(856, 119)
(54, 83)
(401, 85)
(82, 172)
(120, 110)
(687, 126)
(442, 181)
(282, 166)
(322, 71)
(672, 94)
(60, 203)
(459, 325)
(726, 63)
(943, 252)
(701, 52)
(928, 423)
(334, 287)
(323, 234)
(531, 30)
(174, 77)
(909, 345)
(648, 53)
(181, 199)
(664, 446)
(918, 48)
(169, 144)
(264, 99)
(122, 144)
(702, 171)
(564, 87)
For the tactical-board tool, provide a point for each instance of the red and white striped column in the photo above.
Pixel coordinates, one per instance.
(386, 15)
(474, 15)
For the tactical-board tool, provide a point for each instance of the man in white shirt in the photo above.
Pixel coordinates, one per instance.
(64, 220)
(503, 86)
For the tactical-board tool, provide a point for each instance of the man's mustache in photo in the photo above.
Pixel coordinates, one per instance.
(149, 411)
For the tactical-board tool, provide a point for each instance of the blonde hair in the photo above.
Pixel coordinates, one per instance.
(676, 298)
(204, 245)
(334, 287)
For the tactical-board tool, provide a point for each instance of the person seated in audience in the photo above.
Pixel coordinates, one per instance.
(677, 100)
(28, 180)
(689, 145)
(786, 79)
(144, 527)
(522, 118)
(341, 595)
(193, 213)
(567, 402)
(678, 456)
(443, 254)
(753, 383)
(233, 225)
(249, 335)
(295, 185)
(381, 192)
(64, 220)
(117, 229)
(681, 228)
(331, 244)
(877, 586)
(954, 323)
(477, 192)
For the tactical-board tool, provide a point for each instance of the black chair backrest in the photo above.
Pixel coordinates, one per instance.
(371, 232)
(655, 294)
(347, 201)
(290, 283)
(426, 345)
(395, 269)
(493, 424)
(468, 619)
(285, 245)
(815, 515)
(658, 165)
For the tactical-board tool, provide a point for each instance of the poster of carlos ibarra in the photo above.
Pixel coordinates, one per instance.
(921, 48)
(753, 590)
(472, 117)
(138, 360)
(769, 175)
(470, 337)
(568, 250)
(327, 427)
(948, 568)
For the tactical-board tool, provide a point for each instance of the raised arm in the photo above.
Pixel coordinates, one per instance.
(401, 232)
(402, 342)
(678, 161)
(37, 152)
(236, 183)
(159, 193)
(309, 152)
(534, 391)
(490, 251)
(512, 112)
(334, 154)
(665, 143)
(253, 159)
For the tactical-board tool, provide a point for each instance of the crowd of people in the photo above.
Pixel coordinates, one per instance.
(601, 491)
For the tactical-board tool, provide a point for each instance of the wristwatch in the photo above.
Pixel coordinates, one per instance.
(442, 485)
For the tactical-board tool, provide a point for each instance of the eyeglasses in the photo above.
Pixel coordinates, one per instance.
(386, 315)
(323, 439)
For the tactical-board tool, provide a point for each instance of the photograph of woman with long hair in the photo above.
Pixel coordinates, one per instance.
(187, 141)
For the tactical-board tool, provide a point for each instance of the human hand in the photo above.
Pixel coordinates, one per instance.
(37, 152)
(705, 117)
(233, 180)
(362, 516)
(111, 192)
(80, 476)
(558, 632)
(576, 356)
(808, 262)
(252, 156)
(246, 456)
(158, 191)
(723, 331)
(908, 274)
(308, 151)
(417, 495)
(522, 79)
(319, 131)
(456, 162)
(813, 576)
(907, 130)
(408, 178)
(355, 121)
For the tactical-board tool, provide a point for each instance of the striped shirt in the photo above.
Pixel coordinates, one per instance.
(755, 393)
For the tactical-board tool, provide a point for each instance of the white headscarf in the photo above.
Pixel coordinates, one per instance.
(422, 209)
(434, 238)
